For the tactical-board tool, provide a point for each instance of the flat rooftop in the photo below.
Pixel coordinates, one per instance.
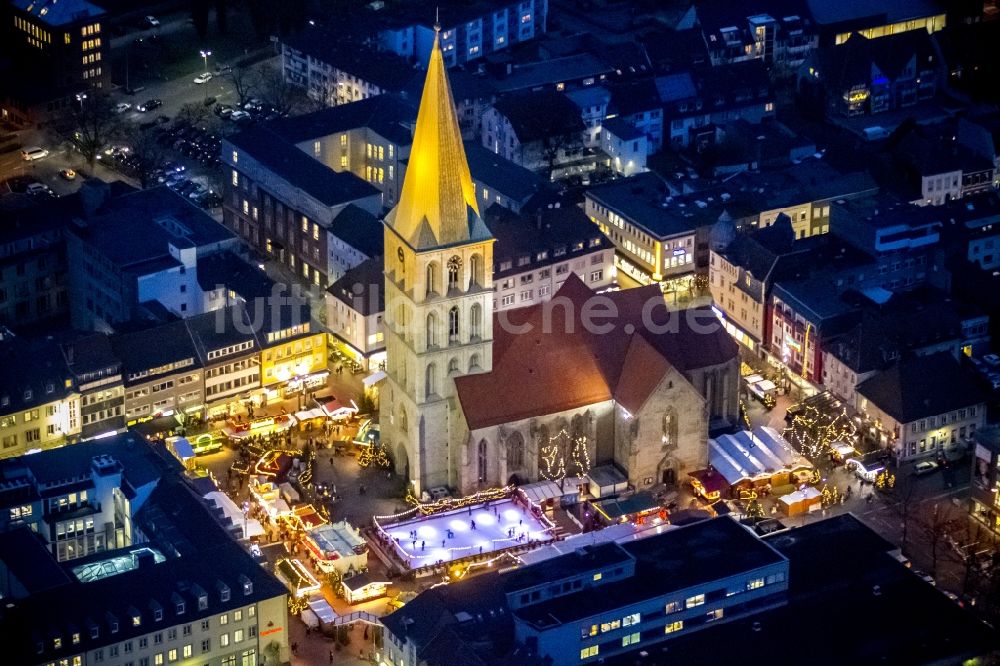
(679, 559)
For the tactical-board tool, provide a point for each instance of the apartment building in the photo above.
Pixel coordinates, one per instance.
(161, 372)
(355, 305)
(179, 590)
(468, 31)
(229, 354)
(39, 403)
(69, 52)
(923, 404)
(282, 201)
(533, 256)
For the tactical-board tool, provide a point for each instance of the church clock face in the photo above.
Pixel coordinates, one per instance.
(399, 253)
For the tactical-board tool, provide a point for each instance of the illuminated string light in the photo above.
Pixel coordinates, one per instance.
(554, 455)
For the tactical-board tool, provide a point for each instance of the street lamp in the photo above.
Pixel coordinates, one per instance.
(80, 97)
(204, 57)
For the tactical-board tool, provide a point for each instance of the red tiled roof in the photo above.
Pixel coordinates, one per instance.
(558, 365)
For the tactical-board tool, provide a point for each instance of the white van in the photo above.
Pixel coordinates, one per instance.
(34, 153)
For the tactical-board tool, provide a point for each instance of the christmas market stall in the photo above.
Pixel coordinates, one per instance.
(841, 452)
(336, 409)
(606, 481)
(801, 501)
(757, 459)
(337, 546)
(296, 577)
(708, 483)
(238, 429)
(549, 494)
(309, 418)
(638, 508)
(362, 587)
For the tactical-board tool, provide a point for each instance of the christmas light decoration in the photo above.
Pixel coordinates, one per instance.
(374, 455)
(554, 455)
(814, 430)
(449, 503)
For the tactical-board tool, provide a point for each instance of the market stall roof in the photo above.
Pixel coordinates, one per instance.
(753, 454)
(374, 378)
(323, 610)
(234, 514)
(806, 493)
(182, 448)
(308, 515)
(334, 408)
(766, 385)
(338, 538)
(753, 379)
(710, 480)
(359, 581)
(843, 449)
(156, 426)
(541, 491)
(617, 508)
(607, 476)
(306, 414)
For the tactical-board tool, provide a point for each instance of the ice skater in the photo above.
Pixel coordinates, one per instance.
(422, 544)
(473, 524)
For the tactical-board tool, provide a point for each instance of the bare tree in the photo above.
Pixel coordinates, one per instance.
(89, 123)
(556, 145)
(935, 527)
(192, 114)
(278, 93)
(901, 495)
(146, 154)
(244, 79)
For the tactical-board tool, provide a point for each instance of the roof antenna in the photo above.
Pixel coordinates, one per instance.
(437, 19)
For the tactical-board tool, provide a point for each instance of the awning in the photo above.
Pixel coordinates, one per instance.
(374, 378)
(306, 414)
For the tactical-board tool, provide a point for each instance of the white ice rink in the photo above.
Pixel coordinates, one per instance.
(449, 536)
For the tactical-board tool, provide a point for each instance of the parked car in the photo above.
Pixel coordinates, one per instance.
(151, 22)
(122, 107)
(925, 467)
(37, 188)
(203, 78)
(34, 153)
(239, 116)
(67, 174)
(223, 110)
(992, 360)
(149, 105)
(223, 69)
(926, 577)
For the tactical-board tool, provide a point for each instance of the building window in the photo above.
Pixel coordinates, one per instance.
(454, 265)
(630, 639)
(674, 626)
(591, 651)
(453, 325)
(696, 600)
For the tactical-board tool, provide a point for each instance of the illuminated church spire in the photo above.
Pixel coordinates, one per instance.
(437, 206)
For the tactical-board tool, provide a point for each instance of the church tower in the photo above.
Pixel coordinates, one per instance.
(438, 294)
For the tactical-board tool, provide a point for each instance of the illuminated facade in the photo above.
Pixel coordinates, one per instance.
(67, 48)
(291, 353)
(438, 292)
